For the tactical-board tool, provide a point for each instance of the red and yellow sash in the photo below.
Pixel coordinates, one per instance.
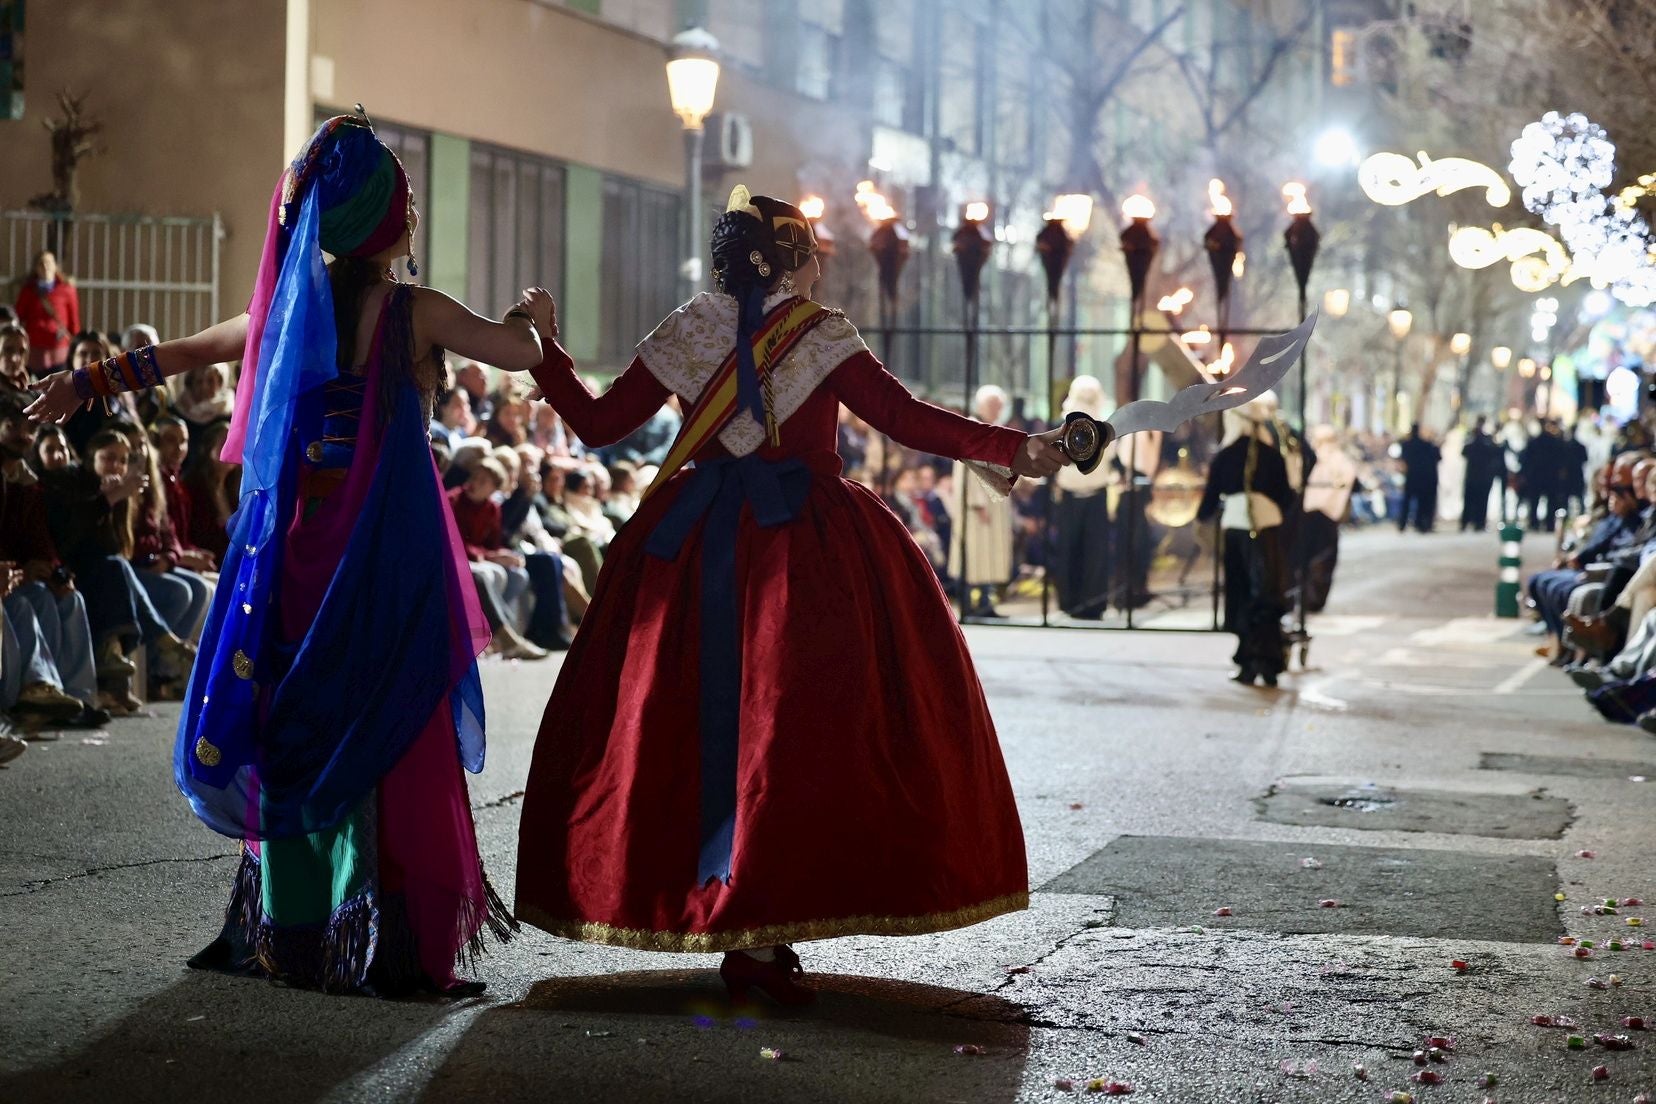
(784, 327)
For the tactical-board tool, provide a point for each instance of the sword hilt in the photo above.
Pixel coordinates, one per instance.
(1084, 440)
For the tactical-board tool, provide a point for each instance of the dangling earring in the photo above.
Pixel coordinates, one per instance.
(413, 265)
(786, 287)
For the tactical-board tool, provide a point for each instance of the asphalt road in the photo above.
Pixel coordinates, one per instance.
(1441, 777)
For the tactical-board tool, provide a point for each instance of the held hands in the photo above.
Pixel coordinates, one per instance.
(1040, 455)
(542, 311)
(57, 400)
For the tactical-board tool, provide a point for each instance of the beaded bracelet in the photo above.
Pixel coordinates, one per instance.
(82, 379)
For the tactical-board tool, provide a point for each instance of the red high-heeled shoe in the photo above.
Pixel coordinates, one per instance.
(778, 980)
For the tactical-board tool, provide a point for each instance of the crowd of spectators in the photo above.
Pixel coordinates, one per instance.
(1598, 600)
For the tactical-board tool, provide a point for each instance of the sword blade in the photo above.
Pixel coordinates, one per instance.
(1271, 359)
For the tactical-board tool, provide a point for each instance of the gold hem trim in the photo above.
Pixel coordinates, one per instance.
(798, 932)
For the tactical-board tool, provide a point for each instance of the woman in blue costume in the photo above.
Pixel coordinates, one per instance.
(336, 699)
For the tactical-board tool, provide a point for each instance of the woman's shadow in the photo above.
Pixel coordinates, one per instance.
(673, 1035)
(208, 1037)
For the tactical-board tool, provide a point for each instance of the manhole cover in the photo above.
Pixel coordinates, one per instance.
(1167, 881)
(1384, 809)
(1569, 766)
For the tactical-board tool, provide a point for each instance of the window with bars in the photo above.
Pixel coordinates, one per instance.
(639, 274)
(516, 234)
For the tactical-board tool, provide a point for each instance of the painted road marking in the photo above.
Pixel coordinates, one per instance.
(1512, 682)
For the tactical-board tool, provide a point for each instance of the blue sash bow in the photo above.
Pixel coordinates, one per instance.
(717, 489)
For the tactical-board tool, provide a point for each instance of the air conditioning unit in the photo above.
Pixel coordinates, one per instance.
(729, 141)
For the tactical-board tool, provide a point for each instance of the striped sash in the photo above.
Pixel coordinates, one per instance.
(785, 326)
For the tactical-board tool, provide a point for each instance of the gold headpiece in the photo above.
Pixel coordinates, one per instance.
(742, 200)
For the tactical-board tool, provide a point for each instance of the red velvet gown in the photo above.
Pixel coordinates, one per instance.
(871, 793)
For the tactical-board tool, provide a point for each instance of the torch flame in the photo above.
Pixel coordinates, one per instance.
(813, 207)
(1176, 302)
(1217, 199)
(1294, 193)
(977, 212)
(873, 204)
(1227, 360)
(1138, 206)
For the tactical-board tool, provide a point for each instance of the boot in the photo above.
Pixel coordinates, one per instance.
(112, 659)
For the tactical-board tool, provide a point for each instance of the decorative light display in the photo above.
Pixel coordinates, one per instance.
(1392, 179)
(1564, 163)
(1538, 259)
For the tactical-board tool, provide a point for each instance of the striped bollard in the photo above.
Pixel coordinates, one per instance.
(1509, 579)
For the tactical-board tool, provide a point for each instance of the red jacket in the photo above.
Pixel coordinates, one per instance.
(479, 523)
(46, 332)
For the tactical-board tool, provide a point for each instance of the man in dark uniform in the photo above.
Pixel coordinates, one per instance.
(1485, 463)
(1420, 480)
(1539, 467)
(1574, 479)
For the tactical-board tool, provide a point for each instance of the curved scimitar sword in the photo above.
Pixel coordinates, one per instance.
(1085, 438)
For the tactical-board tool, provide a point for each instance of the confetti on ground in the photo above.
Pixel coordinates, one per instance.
(1017, 969)
(1487, 1081)
(599, 1034)
(1635, 1022)
(1575, 1042)
(1460, 965)
(1222, 911)
(1076, 806)
(1359, 1071)
(968, 1048)
(1137, 1039)
(1310, 864)
(94, 741)
(1566, 941)
(1613, 1042)
(770, 1054)
(1064, 1084)
(1615, 981)
(1329, 902)
(1631, 902)
(1601, 1073)
(1596, 983)
(1420, 1057)
(1401, 1097)
(1586, 854)
(1635, 921)
(1560, 897)
(1428, 1077)
(1109, 1088)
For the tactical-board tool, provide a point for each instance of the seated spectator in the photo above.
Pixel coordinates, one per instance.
(509, 427)
(14, 361)
(213, 488)
(451, 421)
(622, 500)
(579, 519)
(45, 597)
(31, 690)
(1551, 590)
(166, 570)
(500, 573)
(473, 379)
(550, 574)
(171, 438)
(90, 510)
(201, 397)
(466, 456)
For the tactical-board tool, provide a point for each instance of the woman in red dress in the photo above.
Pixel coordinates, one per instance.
(768, 728)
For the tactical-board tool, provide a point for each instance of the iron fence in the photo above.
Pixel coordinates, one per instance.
(160, 270)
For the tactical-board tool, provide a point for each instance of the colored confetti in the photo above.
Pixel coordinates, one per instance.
(772, 1054)
(1222, 911)
(968, 1048)
(1310, 864)
(1428, 1077)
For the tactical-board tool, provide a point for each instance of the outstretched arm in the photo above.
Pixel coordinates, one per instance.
(216, 344)
(880, 399)
(511, 343)
(598, 420)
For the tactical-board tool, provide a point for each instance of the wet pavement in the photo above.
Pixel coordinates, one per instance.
(1443, 779)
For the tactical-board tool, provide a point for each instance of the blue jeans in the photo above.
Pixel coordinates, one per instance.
(24, 659)
(67, 634)
(1551, 591)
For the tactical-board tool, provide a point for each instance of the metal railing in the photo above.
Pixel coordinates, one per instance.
(160, 270)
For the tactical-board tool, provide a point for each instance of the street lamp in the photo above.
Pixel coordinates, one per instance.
(1336, 302)
(1399, 321)
(1500, 358)
(1139, 244)
(692, 80)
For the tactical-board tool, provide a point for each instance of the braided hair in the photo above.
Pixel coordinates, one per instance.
(755, 243)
